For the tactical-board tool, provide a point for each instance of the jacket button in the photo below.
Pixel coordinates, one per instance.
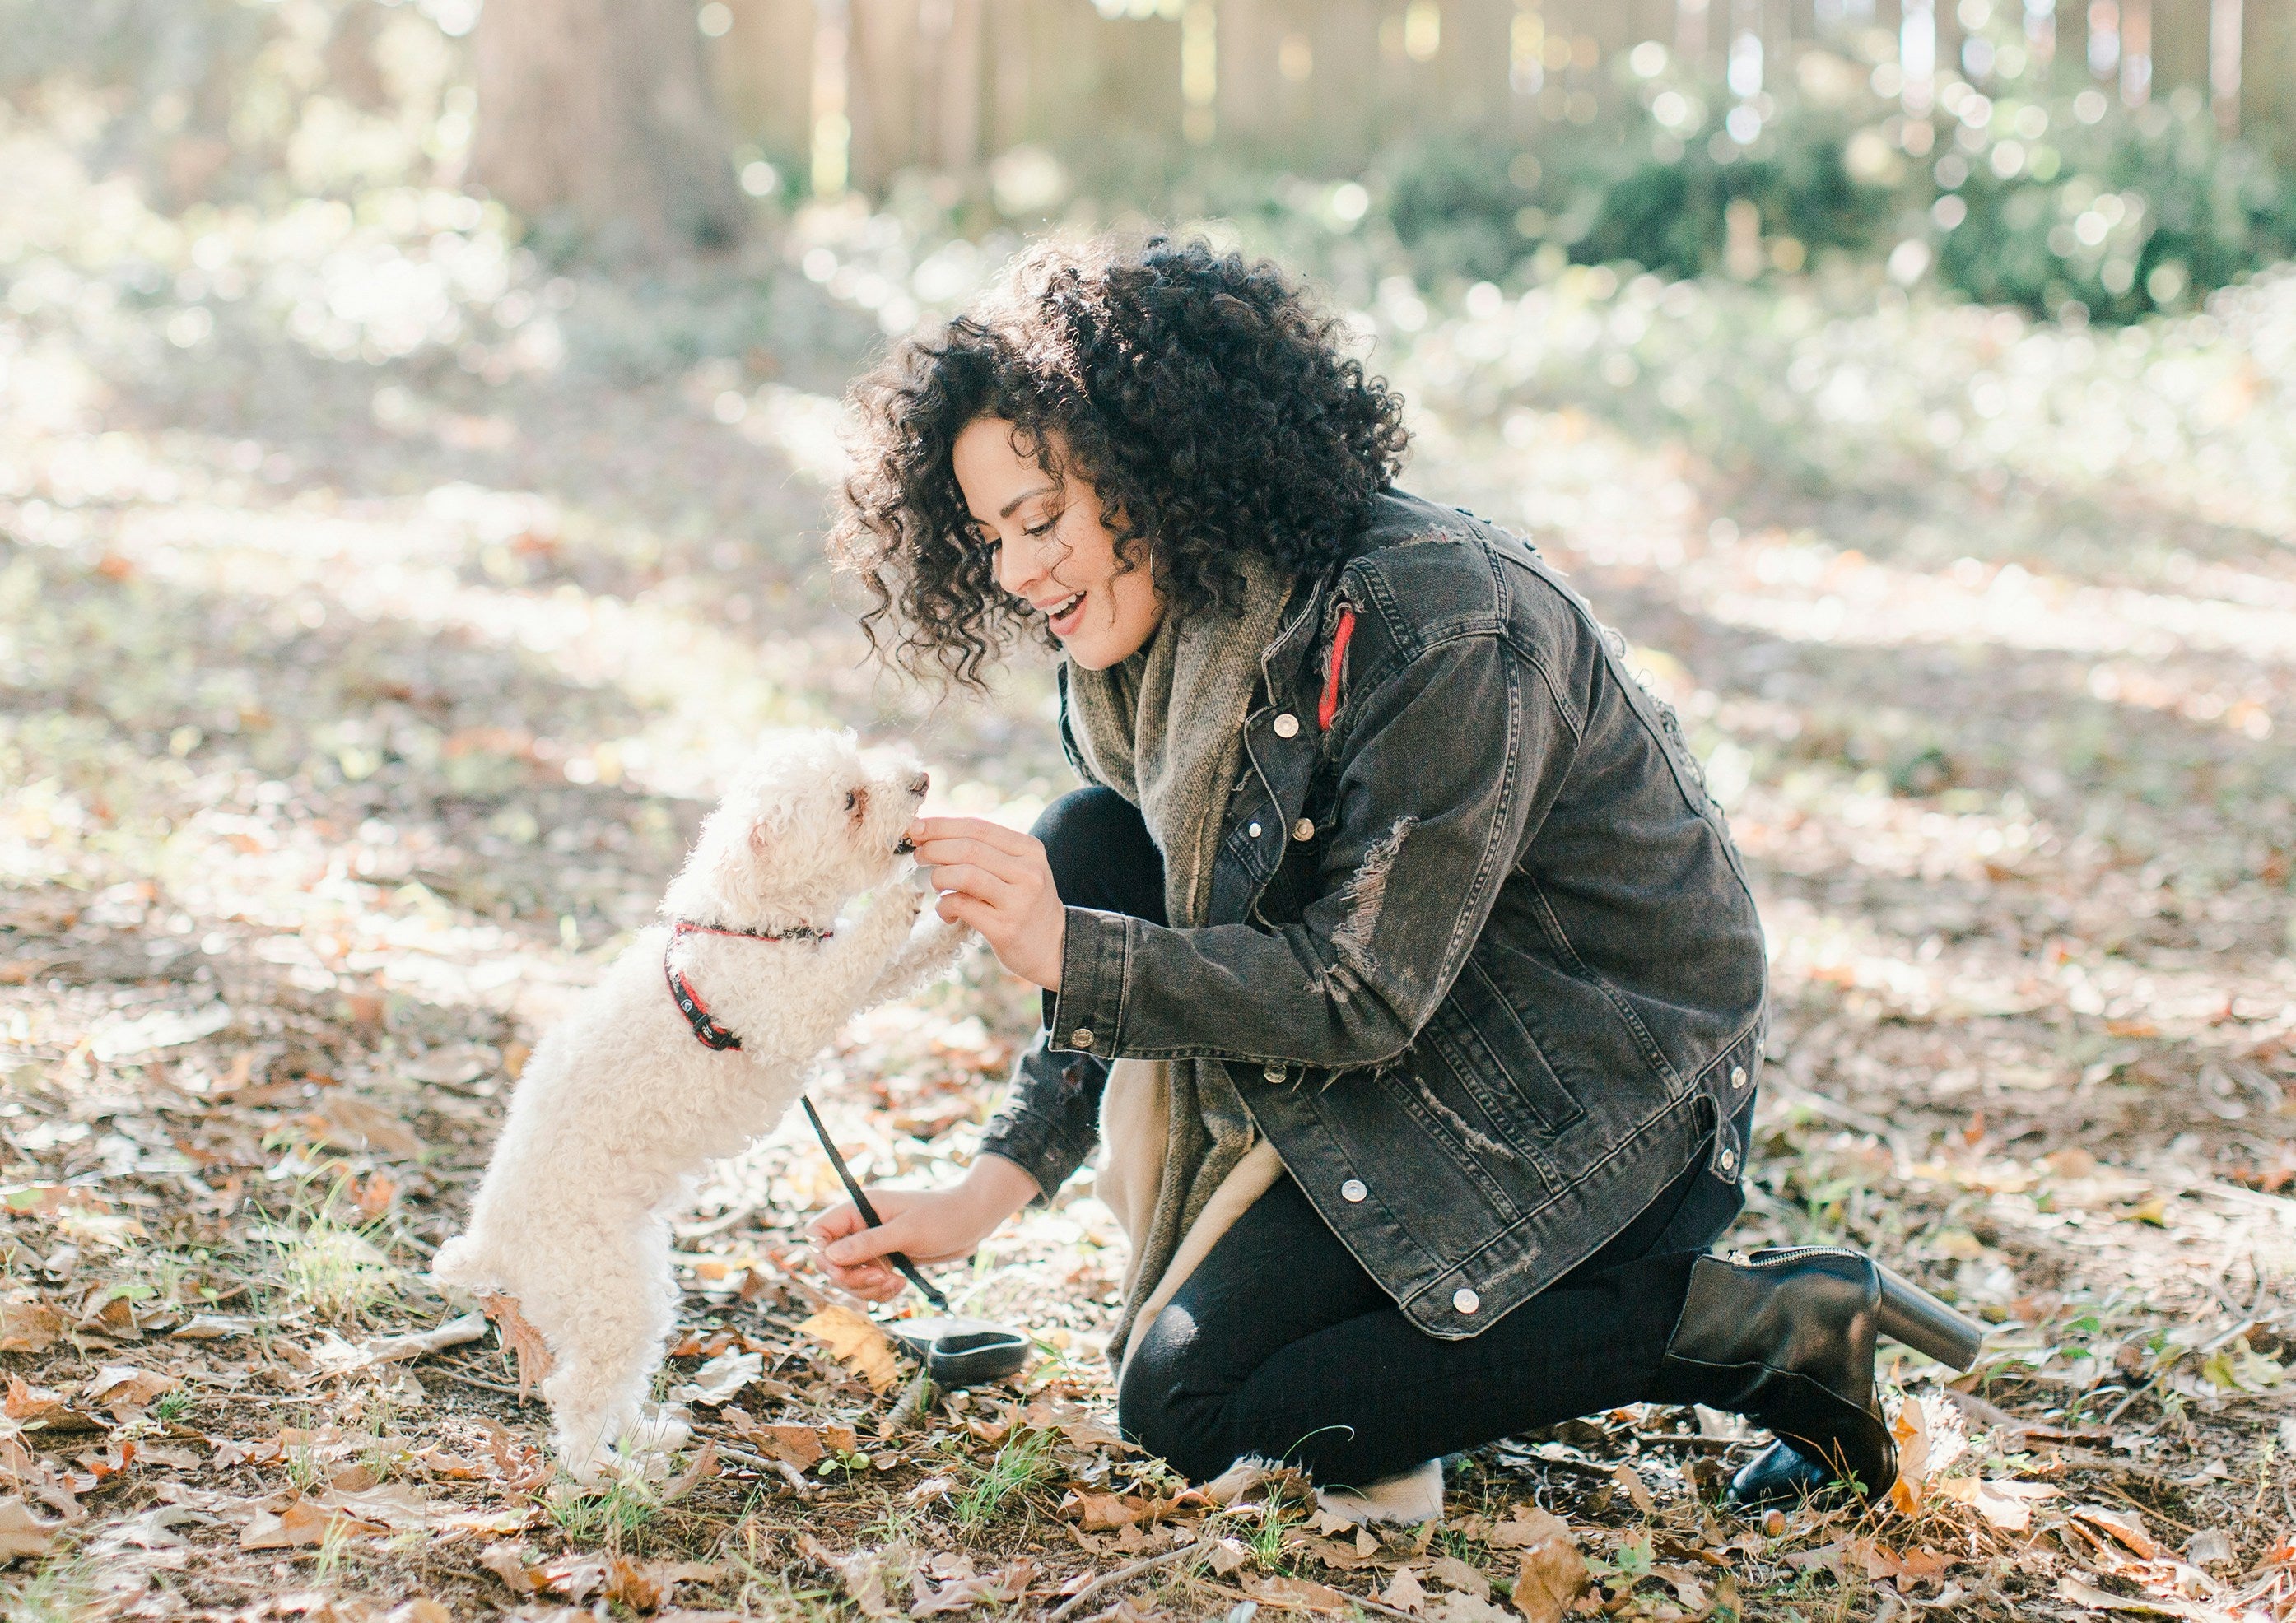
(1081, 1037)
(1466, 1300)
(1737, 1076)
(1272, 1074)
(1305, 829)
(1287, 725)
(1253, 830)
(1728, 1159)
(1353, 1190)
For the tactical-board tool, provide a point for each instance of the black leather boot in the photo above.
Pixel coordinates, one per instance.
(1786, 1339)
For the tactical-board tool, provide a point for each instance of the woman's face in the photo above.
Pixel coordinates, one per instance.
(1053, 548)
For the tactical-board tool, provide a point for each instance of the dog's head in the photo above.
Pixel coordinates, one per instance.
(811, 820)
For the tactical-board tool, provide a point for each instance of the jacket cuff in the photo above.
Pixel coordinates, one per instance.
(1088, 1013)
(1036, 1145)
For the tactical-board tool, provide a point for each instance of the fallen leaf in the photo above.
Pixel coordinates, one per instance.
(1638, 1491)
(2125, 1528)
(345, 1121)
(1450, 1570)
(1300, 1591)
(1404, 1592)
(991, 1588)
(29, 1325)
(715, 1382)
(422, 1609)
(123, 1386)
(855, 1340)
(2082, 1593)
(1911, 1429)
(37, 1405)
(301, 1522)
(22, 1533)
(1554, 1571)
(526, 1343)
(793, 1445)
(704, 1467)
(2004, 1505)
(1104, 1513)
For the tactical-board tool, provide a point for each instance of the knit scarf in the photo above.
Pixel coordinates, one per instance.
(1164, 729)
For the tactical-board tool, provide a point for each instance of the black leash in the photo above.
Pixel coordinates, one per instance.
(868, 1212)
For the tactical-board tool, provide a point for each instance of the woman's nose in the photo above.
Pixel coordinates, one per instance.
(1017, 567)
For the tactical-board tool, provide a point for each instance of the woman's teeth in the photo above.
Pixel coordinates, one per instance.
(1061, 610)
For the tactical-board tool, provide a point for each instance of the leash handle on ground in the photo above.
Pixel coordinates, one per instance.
(868, 1212)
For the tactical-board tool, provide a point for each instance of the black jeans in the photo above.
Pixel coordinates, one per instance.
(1281, 1345)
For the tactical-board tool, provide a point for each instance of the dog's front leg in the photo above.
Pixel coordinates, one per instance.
(923, 958)
(858, 956)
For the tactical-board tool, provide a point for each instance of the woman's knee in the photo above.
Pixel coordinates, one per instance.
(1156, 1409)
(1101, 855)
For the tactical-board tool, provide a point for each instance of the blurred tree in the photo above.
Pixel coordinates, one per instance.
(596, 117)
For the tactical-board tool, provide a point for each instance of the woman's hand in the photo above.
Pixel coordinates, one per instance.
(998, 881)
(925, 1225)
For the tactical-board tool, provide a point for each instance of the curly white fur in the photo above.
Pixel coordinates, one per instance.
(621, 1106)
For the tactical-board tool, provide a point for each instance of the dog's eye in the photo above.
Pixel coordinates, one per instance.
(855, 800)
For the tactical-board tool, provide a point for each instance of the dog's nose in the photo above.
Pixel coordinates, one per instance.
(920, 783)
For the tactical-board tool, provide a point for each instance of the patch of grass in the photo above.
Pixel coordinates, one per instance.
(64, 1591)
(334, 1268)
(622, 1507)
(1025, 1463)
(172, 1407)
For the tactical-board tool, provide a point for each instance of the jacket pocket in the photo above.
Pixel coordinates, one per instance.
(1479, 1041)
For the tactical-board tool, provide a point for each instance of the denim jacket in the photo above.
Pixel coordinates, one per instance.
(1482, 960)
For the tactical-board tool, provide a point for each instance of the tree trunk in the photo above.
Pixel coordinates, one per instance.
(598, 114)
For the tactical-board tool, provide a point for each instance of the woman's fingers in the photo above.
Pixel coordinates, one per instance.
(995, 835)
(973, 879)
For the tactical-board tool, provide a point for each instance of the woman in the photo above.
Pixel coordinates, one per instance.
(1393, 945)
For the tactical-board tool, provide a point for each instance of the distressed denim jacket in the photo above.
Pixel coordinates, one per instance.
(1482, 960)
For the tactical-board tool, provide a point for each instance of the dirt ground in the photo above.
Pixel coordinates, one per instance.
(353, 710)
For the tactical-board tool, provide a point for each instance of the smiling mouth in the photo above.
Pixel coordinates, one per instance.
(1055, 613)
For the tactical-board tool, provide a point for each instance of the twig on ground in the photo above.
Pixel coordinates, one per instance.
(452, 1374)
(1108, 1580)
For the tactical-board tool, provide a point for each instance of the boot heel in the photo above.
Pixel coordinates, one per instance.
(1911, 1315)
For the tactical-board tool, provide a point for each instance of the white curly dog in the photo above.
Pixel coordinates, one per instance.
(697, 1040)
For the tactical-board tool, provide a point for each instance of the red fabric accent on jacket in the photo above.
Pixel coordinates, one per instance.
(1328, 706)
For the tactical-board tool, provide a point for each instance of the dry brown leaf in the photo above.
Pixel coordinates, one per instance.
(2082, 1593)
(1553, 1572)
(2004, 1505)
(1105, 1513)
(858, 1342)
(793, 1445)
(422, 1609)
(123, 1386)
(345, 1121)
(37, 1405)
(1637, 1490)
(1404, 1592)
(704, 1466)
(2125, 1528)
(29, 1325)
(526, 1343)
(521, 1466)
(1450, 1570)
(962, 1592)
(1299, 1593)
(301, 1522)
(22, 1533)
(1911, 1429)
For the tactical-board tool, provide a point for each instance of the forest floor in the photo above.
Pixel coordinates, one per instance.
(353, 710)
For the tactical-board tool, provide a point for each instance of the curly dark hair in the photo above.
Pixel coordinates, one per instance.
(1203, 397)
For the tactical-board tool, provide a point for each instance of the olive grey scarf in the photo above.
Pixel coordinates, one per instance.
(1165, 730)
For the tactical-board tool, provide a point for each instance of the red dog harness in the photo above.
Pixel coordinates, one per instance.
(707, 1029)
(1328, 706)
